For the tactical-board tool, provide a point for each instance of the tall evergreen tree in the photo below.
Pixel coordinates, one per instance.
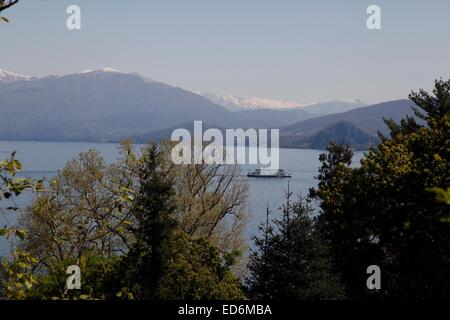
(291, 261)
(153, 209)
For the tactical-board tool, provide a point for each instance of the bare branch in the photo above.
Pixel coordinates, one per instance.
(5, 5)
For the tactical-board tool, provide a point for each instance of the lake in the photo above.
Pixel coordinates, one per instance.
(43, 159)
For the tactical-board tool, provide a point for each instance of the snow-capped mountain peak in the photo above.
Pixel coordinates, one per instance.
(111, 71)
(101, 70)
(7, 76)
(234, 103)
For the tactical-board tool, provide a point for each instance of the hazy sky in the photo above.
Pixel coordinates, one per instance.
(305, 51)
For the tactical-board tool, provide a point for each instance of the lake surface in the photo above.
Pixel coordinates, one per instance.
(43, 159)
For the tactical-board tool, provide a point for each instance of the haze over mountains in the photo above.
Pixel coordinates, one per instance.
(233, 103)
(108, 105)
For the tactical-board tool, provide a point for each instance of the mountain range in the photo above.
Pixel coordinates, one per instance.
(7, 77)
(234, 103)
(107, 105)
(97, 105)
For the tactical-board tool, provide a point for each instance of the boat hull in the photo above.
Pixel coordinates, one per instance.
(267, 176)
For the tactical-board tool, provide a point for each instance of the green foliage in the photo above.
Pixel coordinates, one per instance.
(153, 210)
(18, 276)
(165, 262)
(384, 213)
(292, 261)
(124, 226)
(10, 185)
(191, 269)
(96, 279)
(443, 196)
(194, 270)
(83, 211)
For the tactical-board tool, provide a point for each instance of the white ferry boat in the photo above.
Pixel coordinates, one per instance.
(268, 173)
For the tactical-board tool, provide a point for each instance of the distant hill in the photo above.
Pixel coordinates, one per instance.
(158, 135)
(331, 107)
(269, 118)
(276, 118)
(369, 119)
(341, 132)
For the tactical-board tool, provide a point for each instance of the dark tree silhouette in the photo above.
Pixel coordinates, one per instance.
(385, 212)
(5, 4)
(291, 261)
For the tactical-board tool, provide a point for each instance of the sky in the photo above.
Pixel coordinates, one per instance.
(304, 51)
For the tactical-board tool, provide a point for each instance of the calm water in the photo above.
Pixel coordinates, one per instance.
(43, 159)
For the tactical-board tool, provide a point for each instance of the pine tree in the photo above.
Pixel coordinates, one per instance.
(291, 261)
(153, 209)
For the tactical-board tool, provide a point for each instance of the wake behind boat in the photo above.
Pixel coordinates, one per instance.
(268, 173)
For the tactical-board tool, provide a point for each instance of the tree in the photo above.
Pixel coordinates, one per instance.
(5, 4)
(97, 273)
(291, 261)
(153, 209)
(166, 262)
(84, 210)
(195, 270)
(385, 211)
(16, 276)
